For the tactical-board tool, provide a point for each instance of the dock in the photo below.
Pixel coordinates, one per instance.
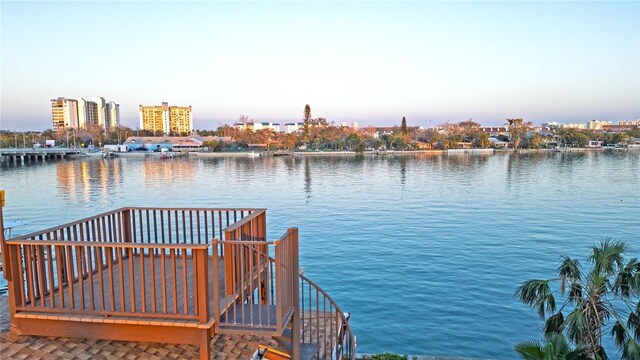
(25, 155)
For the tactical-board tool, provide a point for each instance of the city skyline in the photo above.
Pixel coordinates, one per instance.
(371, 63)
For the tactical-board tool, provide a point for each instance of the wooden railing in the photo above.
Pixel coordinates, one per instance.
(286, 263)
(130, 261)
(152, 226)
(154, 263)
(110, 279)
(259, 290)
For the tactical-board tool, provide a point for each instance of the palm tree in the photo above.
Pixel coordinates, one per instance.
(605, 297)
(556, 348)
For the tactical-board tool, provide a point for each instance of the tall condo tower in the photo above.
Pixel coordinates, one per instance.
(165, 118)
(112, 118)
(64, 113)
(83, 113)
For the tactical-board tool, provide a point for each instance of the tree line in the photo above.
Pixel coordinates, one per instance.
(318, 134)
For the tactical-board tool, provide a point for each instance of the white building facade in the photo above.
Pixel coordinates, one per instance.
(64, 113)
(112, 118)
(82, 113)
(290, 128)
(597, 124)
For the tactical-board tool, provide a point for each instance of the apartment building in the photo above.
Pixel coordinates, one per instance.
(87, 113)
(257, 126)
(293, 127)
(165, 118)
(597, 124)
(574, 126)
(82, 113)
(112, 115)
(64, 113)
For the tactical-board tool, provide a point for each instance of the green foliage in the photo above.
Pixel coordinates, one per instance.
(403, 126)
(385, 356)
(556, 347)
(590, 301)
(306, 117)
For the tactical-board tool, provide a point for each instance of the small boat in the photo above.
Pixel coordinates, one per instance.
(381, 152)
(165, 154)
(283, 153)
(108, 154)
(254, 154)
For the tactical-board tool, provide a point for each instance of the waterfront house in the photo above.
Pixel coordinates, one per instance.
(290, 128)
(499, 144)
(175, 143)
(595, 144)
(495, 131)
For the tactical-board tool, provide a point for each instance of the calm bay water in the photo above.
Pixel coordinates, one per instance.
(424, 250)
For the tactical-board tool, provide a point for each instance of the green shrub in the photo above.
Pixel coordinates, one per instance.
(385, 356)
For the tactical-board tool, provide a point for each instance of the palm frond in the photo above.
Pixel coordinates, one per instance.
(601, 354)
(569, 269)
(576, 354)
(633, 323)
(631, 350)
(557, 345)
(619, 333)
(627, 281)
(554, 323)
(538, 295)
(607, 256)
(575, 293)
(530, 350)
(576, 326)
(596, 285)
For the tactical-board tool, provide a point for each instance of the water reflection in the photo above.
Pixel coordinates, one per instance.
(178, 171)
(307, 177)
(86, 180)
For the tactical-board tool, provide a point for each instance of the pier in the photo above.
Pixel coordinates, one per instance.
(24, 155)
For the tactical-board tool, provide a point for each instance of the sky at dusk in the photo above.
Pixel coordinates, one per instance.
(370, 62)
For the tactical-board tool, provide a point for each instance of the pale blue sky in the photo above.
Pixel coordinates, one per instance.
(371, 62)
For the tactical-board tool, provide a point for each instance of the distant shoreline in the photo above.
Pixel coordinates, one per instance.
(367, 153)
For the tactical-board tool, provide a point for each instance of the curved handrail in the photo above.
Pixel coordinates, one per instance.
(351, 346)
(347, 334)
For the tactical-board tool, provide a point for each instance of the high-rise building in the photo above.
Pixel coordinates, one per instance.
(64, 113)
(83, 113)
(112, 118)
(180, 119)
(102, 110)
(155, 118)
(165, 118)
(87, 113)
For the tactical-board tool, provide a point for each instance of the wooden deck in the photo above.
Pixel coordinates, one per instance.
(106, 292)
(176, 276)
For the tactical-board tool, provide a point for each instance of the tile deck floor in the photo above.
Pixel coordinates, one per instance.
(34, 347)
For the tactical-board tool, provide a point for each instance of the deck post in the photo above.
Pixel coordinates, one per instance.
(3, 244)
(202, 271)
(14, 286)
(205, 344)
(295, 326)
(126, 225)
(216, 286)
(262, 235)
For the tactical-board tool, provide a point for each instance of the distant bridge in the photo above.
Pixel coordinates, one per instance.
(22, 155)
